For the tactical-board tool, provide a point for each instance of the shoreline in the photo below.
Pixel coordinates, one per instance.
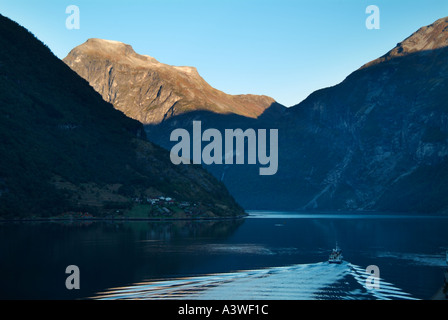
(118, 219)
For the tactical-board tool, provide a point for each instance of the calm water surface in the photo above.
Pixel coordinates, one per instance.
(269, 255)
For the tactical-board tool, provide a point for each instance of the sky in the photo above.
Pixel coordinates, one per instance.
(285, 49)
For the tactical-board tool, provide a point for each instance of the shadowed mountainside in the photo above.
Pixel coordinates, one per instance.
(379, 140)
(65, 149)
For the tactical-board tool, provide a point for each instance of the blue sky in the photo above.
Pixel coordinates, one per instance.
(284, 49)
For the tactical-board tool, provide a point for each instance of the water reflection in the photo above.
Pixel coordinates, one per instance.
(34, 255)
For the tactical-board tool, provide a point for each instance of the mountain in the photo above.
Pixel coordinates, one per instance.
(376, 141)
(65, 149)
(379, 139)
(431, 37)
(150, 91)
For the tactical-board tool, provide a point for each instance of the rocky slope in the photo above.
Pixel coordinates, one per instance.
(431, 37)
(150, 91)
(65, 149)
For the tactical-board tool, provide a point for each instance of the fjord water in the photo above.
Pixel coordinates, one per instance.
(268, 255)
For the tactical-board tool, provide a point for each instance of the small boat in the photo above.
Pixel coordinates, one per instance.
(335, 255)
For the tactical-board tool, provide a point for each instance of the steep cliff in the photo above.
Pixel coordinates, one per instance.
(380, 137)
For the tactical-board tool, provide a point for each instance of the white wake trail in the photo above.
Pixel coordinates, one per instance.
(296, 282)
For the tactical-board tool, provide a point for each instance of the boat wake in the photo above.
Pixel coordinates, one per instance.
(317, 281)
